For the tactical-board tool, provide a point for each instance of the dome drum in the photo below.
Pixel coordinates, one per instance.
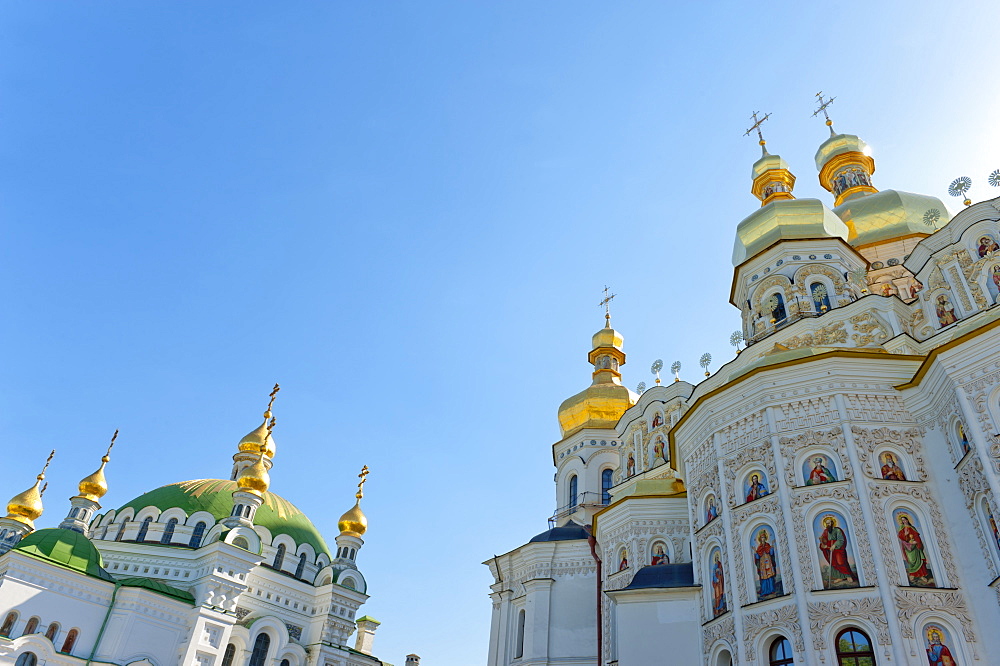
(838, 165)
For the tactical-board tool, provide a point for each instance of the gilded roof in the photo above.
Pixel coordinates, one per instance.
(786, 219)
(839, 144)
(889, 214)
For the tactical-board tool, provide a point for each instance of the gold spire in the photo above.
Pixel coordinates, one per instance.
(26, 507)
(260, 436)
(772, 179)
(254, 478)
(95, 486)
(354, 522)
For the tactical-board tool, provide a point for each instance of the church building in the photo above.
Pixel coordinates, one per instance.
(209, 572)
(827, 497)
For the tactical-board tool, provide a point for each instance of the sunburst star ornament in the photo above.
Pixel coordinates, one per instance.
(959, 187)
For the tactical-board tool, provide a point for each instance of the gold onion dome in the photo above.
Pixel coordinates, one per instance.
(27, 507)
(354, 522)
(95, 486)
(602, 403)
(254, 478)
(254, 440)
(841, 144)
(787, 219)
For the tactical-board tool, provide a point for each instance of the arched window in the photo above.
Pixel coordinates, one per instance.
(246, 511)
(781, 652)
(285, 662)
(353, 551)
(52, 631)
(260, 647)
(70, 641)
(121, 531)
(519, 648)
(241, 542)
(854, 648)
(168, 531)
(606, 483)
(229, 656)
(776, 306)
(301, 568)
(197, 536)
(820, 296)
(279, 558)
(31, 627)
(141, 536)
(572, 491)
(27, 659)
(8, 624)
(339, 551)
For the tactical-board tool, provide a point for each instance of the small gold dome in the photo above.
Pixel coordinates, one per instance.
(601, 404)
(27, 507)
(840, 144)
(253, 440)
(767, 163)
(786, 219)
(254, 478)
(354, 522)
(95, 486)
(608, 337)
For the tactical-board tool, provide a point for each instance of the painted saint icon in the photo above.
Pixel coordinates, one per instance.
(995, 274)
(994, 532)
(657, 421)
(718, 583)
(819, 469)
(659, 555)
(945, 311)
(938, 653)
(837, 567)
(711, 510)
(987, 246)
(659, 451)
(766, 566)
(630, 465)
(963, 439)
(911, 544)
(623, 560)
(755, 486)
(890, 470)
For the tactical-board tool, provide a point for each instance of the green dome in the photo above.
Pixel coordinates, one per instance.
(65, 548)
(215, 496)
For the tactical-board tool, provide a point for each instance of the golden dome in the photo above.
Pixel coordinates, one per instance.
(354, 522)
(253, 440)
(27, 507)
(768, 162)
(772, 179)
(95, 486)
(788, 219)
(254, 478)
(602, 403)
(890, 214)
(840, 144)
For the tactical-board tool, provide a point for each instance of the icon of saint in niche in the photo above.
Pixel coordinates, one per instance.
(821, 472)
(712, 512)
(963, 438)
(987, 246)
(659, 450)
(659, 554)
(630, 465)
(912, 546)
(995, 273)
(765, 560)
(890, 470)
(756, 487)
(838, 569)
(945, 311)
(623, 563)
(657, 421)
(718, 585)
(938, 653)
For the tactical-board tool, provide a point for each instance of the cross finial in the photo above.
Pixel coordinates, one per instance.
(41, 475)
(112, 444)
(757, 122)
(823, 104)
(606, 304)
(364, 477)
(274, 392)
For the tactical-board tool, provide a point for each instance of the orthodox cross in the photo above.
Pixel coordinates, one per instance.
(274, 392)
(823, 104)
(364, 477)
(41, 475)
(606, 303)
(757, 122)
(112, 444)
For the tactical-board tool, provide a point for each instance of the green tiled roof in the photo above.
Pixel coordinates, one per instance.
(216, 497)
(157, 586)
(65, 548)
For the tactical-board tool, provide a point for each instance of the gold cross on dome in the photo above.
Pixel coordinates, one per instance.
(112, 444)
(274, 393)
(757, 122)
(364, 477)
(822, 107)
(606, 302)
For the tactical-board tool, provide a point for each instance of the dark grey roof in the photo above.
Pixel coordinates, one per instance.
(663, 575)
(567, 532)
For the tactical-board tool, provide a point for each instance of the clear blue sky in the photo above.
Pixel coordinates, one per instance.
(405, 213)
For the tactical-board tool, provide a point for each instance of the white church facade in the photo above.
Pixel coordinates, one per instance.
(209, 572)
(829, 496)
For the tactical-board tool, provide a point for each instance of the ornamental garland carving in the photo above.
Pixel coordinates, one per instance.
(802, 498)
(973, 483)
(978, 392)
(868, 440)
(823, 613)
(911, 601)
(834, 334)
(818, 269)
(776, 280)
(722, 630)
(960, 288)
(786, 617)
(869, 329)
(831, 440)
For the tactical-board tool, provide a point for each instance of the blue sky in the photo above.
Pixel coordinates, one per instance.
(405, 214)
